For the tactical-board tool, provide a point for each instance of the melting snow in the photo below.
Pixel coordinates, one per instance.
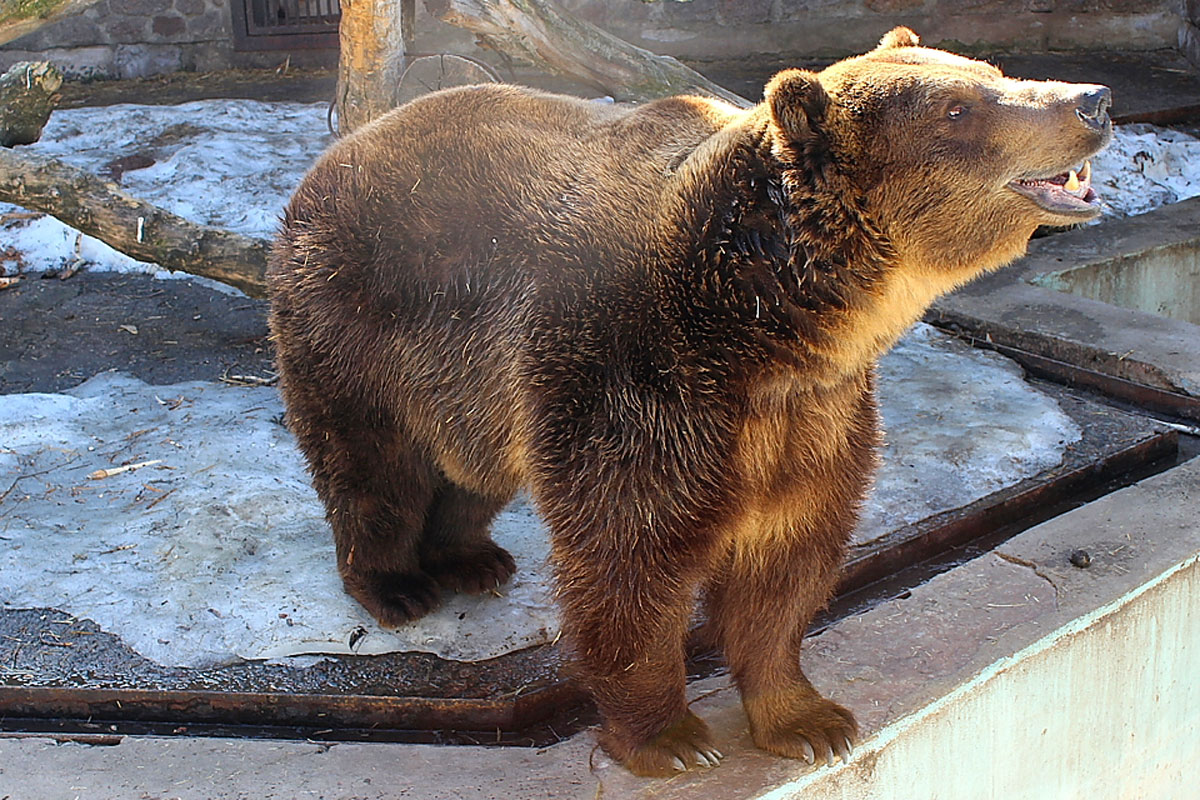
(1146, 167)
(219, 551)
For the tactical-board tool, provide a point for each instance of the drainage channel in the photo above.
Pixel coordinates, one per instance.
(65, 678)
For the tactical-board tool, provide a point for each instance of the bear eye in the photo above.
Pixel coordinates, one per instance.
(957, 111)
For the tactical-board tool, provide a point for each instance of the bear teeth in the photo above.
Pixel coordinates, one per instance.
(1052, 193)
(1077, 183)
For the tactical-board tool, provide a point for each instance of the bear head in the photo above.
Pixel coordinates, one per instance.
(955, 163)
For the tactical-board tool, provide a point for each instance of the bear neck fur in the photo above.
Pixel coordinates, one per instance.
(789, 257)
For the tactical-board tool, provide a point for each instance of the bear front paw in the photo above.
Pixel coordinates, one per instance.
(679, 747)
(474, 571)
(802, 724)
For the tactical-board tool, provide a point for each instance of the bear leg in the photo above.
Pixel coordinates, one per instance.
(629, 635)
(456, 549)
(758, 610)
(377, 488)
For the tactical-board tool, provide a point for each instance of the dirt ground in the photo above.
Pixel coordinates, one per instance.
(55, 334)
(302, 86)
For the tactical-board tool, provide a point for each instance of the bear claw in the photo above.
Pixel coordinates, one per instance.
(394, 598)
(801, 724)
(474, 571)
(676, 748)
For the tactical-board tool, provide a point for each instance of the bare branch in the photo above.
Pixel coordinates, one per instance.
(135, 227)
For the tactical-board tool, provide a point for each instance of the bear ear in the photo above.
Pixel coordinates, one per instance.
(798, 103)
(899, 37)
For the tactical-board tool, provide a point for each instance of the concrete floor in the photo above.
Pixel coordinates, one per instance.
(1017, 675)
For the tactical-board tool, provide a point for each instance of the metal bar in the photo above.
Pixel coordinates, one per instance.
(1151, 398)
(929, 538)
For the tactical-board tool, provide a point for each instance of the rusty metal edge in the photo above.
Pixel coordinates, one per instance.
(930, 537)
(256, 708)
(1143, 396)
(511, 714)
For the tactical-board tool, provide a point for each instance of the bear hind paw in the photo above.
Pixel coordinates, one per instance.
(394, 598)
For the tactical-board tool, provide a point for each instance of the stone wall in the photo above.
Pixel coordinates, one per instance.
(132, 38)
(1189, 31)
(137, 38)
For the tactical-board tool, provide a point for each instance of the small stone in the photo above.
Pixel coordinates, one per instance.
(1081, 559)
(169, 25)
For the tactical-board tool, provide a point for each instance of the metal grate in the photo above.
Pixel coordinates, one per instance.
(285, 24)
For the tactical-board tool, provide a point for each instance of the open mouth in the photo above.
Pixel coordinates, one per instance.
(1069, 193)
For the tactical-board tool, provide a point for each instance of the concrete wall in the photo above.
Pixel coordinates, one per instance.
(133, 38)
(1103, 708)
(706, 29)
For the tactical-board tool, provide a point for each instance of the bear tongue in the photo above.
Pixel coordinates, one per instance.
(1066, 192)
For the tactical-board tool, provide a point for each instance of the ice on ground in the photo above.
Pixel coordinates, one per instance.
(959, 423)
(228, 163)
(219, 551)
(1146, 167)
(235, 163)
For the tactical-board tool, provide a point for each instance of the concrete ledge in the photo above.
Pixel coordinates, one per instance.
(1016, 675)
(1007, 309)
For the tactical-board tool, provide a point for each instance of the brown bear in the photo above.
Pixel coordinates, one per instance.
(663, 320)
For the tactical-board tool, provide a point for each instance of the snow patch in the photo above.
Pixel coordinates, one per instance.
(219, 552)
(1146, 167)
(232, 164)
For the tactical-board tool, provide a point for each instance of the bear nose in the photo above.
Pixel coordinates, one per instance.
(1093, 105)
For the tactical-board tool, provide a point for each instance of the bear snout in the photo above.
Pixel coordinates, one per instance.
(1092, 107)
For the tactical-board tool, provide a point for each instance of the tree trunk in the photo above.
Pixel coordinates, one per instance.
(557, 41)
(371, 62)
(28, 93)
(18, 19)
(135, 227)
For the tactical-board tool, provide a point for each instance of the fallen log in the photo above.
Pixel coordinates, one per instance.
(136, 228)
(541, 32)
(28, 93)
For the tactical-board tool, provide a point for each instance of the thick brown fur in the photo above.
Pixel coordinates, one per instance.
(664, 322)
